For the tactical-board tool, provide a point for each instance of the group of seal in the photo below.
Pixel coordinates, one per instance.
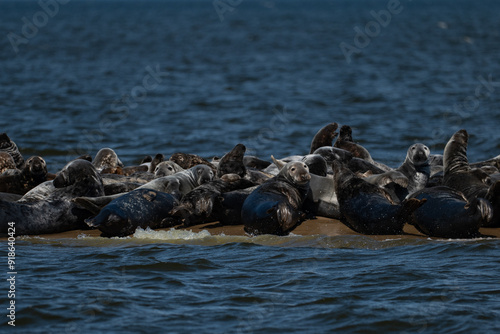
(442, 195)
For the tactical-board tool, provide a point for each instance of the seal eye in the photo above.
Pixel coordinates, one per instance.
(169, 168)
(292, 169)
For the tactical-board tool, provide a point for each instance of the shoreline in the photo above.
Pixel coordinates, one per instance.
(319, 226)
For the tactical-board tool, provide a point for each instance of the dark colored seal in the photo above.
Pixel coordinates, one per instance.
(448, 214)
(275, 207)
(316, 163)
(55, 212)
(251, 161)
(33, 173)
(368, 208)
(139, 208)
(203, 204)
(8, 146)
(232, 162)
(345, 142)
(472, 182)
(324, 137)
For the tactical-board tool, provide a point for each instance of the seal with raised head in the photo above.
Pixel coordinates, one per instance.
(55, 212)
(232, 162)
(138, 208)
(8, 146)
(368, 208)
(275, 207)
(324, 137)
(416, 167)
(6, 162)
(33, 173)
(472, 182)
(166, 168)
(107, 159)
(448, 214)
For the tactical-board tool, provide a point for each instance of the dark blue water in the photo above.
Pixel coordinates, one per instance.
(165, 76)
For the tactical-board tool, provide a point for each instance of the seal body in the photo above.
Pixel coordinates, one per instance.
(8, 146)
(368, 208)
(472, 182)
(324, 137)
(33, 173)
(275, 207)
(416, 168)
(106, 159)
(53, 210)
(448, 214)
(139, 208)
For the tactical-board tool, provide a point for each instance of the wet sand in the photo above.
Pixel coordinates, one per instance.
(319, 226)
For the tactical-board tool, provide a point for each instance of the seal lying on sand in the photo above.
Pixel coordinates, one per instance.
(177, 184)
(33, 173)
(55, 212)
(472, 182)
(8, 146)
(139, 208)
(448, 214)
(275, 207)
(368, 208)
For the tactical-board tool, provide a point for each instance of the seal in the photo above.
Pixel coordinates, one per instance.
(324, 137)
(416, 168)
(166, 168)
(156, 160)
(345, 142)
(275, 207)
(251, 161)
(201, 205)
(138, 208)
(448, 214)
(232, 162)
(321, 199)
(33, 173)
(106, 159)
(316, 163)
(6, 162)
(177, 184)
(368, 208)
(8, 146)
(472, 182)
(55, 212)
(187, 161)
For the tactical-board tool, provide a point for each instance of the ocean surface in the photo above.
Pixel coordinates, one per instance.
(147, 77)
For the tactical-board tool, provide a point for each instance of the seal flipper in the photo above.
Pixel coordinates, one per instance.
(493, 196)
(408, 206)
(455, 153)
